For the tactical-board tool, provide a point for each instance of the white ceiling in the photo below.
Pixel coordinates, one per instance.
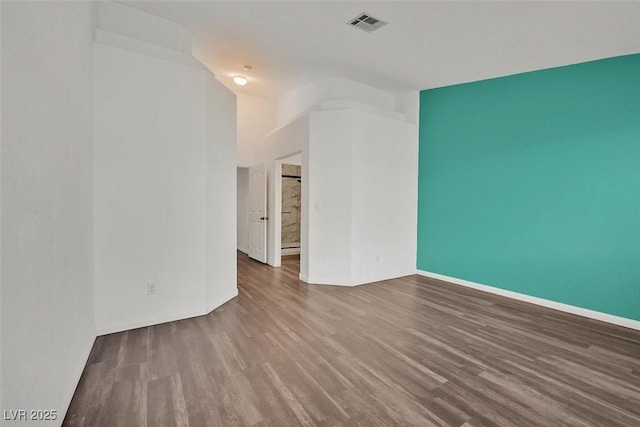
(425, 45)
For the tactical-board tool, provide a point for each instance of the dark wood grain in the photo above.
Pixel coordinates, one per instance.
(408, 351)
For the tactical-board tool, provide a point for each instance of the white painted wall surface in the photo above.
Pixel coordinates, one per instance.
(363, 197)
(384, 191)
(121, 19)
(47, 292)
(164, 190)
(408, 103)
(350, 89)
(327, 216)
(256, 119)
(149, 189)
(1, 379)
(221, 193)
(285, 141)
(299, 101)
(243, 209)
(330, 174)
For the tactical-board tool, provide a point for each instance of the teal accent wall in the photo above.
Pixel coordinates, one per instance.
(531, 183)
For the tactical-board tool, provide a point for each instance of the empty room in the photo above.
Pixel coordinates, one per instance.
(319, 213)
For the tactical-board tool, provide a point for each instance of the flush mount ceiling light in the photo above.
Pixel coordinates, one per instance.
(240, 80)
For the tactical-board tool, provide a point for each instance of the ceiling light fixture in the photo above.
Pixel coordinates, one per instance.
(240, 80)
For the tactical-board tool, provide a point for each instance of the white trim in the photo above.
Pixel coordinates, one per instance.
(120, 327)
(304, 278)
(289, 251)
(164, 319)
(150, 49)
(584, 312)
(275, 215)
(220, 301)
(323, 281)
(275, 211)
(243, 250)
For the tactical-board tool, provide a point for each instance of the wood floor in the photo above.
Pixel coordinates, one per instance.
(410, 351)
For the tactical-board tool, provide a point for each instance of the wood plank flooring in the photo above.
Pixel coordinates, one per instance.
(409, 351)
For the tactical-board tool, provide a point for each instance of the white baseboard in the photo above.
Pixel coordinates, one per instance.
(243, 250)
(222, 300)
(110, 329)
(584, 312)
(126, 326)
(384, 277)
(324, 281)
(351, 283)
(305, 279)
(289, 251)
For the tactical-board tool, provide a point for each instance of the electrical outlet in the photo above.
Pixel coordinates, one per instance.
(151, 289)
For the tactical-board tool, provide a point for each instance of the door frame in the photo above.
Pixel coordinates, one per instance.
(262, 168)
(276, 211)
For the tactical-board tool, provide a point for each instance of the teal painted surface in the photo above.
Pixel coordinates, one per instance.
(531, 183)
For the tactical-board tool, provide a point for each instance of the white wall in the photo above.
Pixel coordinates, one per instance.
(256, 119)
(46, 248)
(330, 174)
(327, 122)
(384, 196)
(291, 139)
(408, 103)
(164, 189)
(1, 379)
(301, 100)
(150, 189)
(362, 215)
(243, 210)
(221, 136)
(120, 19)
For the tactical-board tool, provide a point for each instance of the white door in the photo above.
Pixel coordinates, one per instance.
(258, 212)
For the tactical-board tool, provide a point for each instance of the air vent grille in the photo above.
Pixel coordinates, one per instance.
(366, 23)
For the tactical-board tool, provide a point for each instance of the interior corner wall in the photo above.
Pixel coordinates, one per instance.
(329, 205)
(46, 249)
(243, 210)
(149, 189)
(362, 197)
(164, 190)
(120, 19)
(221, 110)
(298, 101)
(408, 103)
(529, 183)
(384, 198)
(1, 379)
(256, 119)
(301, 100)
(285, 141)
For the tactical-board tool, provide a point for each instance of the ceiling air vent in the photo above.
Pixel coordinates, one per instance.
(366, 23)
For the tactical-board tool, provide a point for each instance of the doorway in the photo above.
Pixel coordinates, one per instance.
(291, 205)
(295, 232)
(288, 211)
